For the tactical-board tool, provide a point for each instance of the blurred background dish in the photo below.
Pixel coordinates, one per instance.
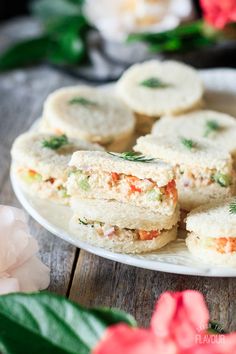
(98, 40)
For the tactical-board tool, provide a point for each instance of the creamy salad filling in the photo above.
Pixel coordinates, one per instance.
(192, 178)
(105, 230)
(49, 187)
(220, 244)
(122, 188)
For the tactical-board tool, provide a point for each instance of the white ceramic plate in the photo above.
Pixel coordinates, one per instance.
(174, 258)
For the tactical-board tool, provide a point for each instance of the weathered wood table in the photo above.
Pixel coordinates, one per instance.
(82, 277)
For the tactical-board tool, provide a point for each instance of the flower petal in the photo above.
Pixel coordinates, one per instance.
(124, 339)
(9, 285)
(32, 275)
(175, 317)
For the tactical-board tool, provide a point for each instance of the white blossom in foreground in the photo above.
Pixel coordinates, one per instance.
(20, 269)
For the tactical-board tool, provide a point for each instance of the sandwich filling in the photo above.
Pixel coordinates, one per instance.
(105, 230)
(123, 188)
(194, 178)
(48, 187)
(221, 245)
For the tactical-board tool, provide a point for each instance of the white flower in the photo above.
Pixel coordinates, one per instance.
(20, 269)
(115, 19)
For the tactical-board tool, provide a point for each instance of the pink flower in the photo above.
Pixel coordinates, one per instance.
(175, 317)
(178, 326)
(219, 13)
(20, 269)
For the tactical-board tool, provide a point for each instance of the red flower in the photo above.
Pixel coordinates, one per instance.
(178, 326)
(219, 12)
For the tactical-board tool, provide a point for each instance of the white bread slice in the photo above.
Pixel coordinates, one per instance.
(194, 125)
(122, 215)
(28, 152)
(157, 170)
(209, 255)
(182, 89)
(213, 220)
(100, 118)
(191, 198)
(173, 150)
(124, 243)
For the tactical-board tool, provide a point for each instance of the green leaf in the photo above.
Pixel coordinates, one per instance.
(24, 53)
(47, 10)
(154, 82)
(211, 127)
(222, 179)
(188, 143)
(215, 328)
(67, 48)
(48, 324)
(55, 142)
(82, 101)
(232, 208)
(187, 36)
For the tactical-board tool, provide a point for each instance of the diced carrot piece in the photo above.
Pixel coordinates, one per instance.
(172, 191)
(32, 173)
(148, 235)
(134, 189)
(115, 176)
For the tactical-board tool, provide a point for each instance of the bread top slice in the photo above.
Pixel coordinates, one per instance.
(88, 113)
(154, 88)
(212, 126)
(182, 150)
(123, 215)
(29, 151)
(155, 169)
(214, 219)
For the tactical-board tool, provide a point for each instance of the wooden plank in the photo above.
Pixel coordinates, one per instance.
(21, 98)
(99, 282)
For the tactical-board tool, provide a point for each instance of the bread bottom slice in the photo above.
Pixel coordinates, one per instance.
(124, 242)
(123, 215)
(191, 198)
(209, 255)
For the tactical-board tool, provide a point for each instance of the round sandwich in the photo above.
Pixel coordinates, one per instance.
(89, 114)
(122, 227)
(127, 178)
(215, 127)
(155, 88)
(203, 171)
(40, 161)
(212, 233)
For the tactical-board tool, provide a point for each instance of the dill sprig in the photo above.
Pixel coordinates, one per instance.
(132, 156)
(154, 82)
(211, 127)
(83, 222)
(232, 208)
(82, 101)
(55, 142)
(188, 143)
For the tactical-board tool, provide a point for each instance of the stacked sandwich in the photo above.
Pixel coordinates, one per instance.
(212, 233)
(204, 171)
(40, 162)
(124, 202)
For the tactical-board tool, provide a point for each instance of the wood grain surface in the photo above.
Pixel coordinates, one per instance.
(83, 277)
